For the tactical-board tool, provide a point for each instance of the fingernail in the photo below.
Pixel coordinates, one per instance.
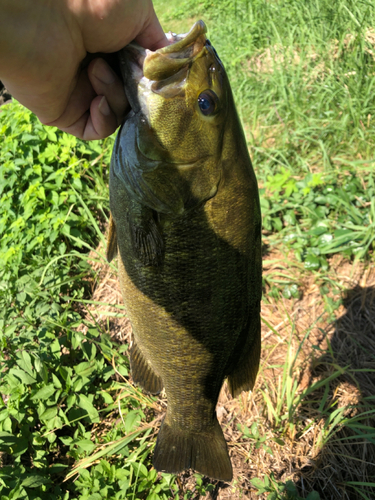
(103, 72)
(104, 107)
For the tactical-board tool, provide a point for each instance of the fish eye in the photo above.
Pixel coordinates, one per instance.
(207, 102)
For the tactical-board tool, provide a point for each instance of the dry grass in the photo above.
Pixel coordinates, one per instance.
(303, 345)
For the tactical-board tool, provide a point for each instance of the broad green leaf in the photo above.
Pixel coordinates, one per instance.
(57, 468)
(20, 447)
(139, 469)
(312, 262)
(153, 496)
(23, 376)
(314, 495)
(49, 413)
(106, 397)
(132, 420)
(258, 483)
(51, 134)
(85, 404)
(56, 381)
(24, 362)
(35, 480)
(44, 393)
(7, 439)
(71, 400)
(86, 368)
(86, 445)
(67, 440)
(79, 382)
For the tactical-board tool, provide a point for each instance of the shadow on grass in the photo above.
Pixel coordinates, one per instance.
(346, 461)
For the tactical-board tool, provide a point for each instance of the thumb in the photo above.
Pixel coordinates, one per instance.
(152, 36)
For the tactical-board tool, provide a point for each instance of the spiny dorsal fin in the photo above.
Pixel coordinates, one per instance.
(111, 240)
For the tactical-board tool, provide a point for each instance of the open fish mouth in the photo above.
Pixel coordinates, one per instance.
(182, 51)
(164, 68)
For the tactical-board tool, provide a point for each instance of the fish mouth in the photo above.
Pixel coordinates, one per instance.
(164, 67)
(181, 52)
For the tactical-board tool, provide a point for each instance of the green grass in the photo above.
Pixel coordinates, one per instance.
(303, 75)
(71, 424)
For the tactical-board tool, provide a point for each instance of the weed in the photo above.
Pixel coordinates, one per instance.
(280, 491)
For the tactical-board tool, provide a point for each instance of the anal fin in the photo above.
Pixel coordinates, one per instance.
(142, 372)
(244, 370)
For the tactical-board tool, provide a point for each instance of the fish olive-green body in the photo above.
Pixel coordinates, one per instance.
(186, 222)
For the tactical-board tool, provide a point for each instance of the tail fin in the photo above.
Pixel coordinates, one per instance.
(206, 452)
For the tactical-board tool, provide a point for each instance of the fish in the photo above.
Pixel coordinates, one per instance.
(186, 227)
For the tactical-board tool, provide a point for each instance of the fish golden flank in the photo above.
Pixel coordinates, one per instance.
(187, 227)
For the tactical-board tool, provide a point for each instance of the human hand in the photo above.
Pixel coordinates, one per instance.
(42, 47)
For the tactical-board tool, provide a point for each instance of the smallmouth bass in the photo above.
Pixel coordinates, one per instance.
(186, 224)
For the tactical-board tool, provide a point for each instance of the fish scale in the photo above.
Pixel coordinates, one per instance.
(185, 221)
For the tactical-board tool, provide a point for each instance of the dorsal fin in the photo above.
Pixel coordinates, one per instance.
(111, 252)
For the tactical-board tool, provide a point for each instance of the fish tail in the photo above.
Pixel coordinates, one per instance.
(206, 452)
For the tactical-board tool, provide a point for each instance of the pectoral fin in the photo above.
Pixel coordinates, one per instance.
(111, 252)
(146, 236)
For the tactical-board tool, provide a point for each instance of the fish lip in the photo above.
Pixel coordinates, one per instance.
(164, 70)
(179, 42)
(187, 38)
(162, 63)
